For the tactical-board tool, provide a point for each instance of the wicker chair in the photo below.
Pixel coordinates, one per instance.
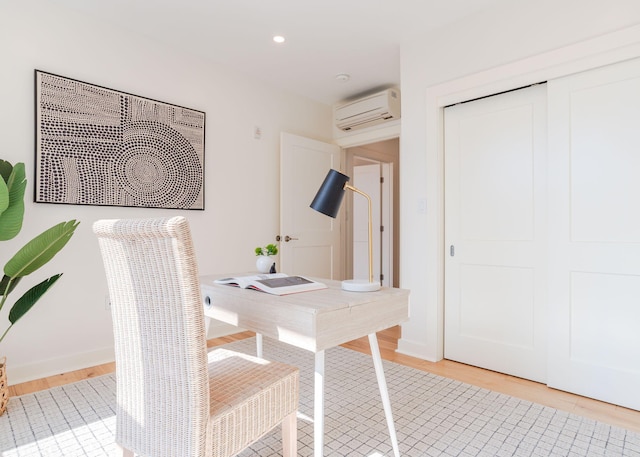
(173, 397)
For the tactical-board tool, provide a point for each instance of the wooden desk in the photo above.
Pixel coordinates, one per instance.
(314, 321)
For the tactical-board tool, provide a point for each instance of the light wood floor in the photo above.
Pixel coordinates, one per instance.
(388, 341)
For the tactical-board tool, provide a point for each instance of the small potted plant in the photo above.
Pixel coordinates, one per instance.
(264, 263)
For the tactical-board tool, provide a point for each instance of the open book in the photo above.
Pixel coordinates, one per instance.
(274, 283)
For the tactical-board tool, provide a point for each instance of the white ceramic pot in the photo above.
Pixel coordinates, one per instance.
(263, 263)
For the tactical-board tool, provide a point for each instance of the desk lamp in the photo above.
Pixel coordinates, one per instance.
(327, 201)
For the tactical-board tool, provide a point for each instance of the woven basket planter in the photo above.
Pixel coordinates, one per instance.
(4, 387)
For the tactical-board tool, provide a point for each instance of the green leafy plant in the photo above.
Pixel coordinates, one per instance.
(32, 255)
(269, 249)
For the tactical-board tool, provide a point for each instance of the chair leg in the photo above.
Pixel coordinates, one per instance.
(290, 435)
(123, 451)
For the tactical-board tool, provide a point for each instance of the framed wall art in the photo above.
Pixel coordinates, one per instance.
(99, 146)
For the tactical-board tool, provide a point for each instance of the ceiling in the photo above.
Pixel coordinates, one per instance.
(324, 38)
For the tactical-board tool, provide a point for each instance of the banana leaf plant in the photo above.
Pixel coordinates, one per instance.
(32, 255)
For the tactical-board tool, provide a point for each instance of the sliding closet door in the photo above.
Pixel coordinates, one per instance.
(594, 214)
(495, 232)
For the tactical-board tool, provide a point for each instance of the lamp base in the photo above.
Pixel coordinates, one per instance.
(360, 285)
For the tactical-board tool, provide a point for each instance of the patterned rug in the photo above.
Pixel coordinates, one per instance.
(434, 416)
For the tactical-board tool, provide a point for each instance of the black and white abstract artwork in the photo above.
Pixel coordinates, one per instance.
(98, 146)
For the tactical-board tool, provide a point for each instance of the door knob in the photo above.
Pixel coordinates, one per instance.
(287, 238)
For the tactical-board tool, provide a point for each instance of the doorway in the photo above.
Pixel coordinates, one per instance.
(362, 162)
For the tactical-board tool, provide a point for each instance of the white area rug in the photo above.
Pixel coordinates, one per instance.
(434, 416)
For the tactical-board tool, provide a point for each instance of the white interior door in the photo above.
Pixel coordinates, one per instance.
(310, 241)
(594, 273)
(367, 179)
(495, 232)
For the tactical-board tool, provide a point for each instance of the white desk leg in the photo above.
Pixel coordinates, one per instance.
(259, 345)
(318, 406)
(384, 393)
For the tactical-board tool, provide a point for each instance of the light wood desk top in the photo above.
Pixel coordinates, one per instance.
(314, 320)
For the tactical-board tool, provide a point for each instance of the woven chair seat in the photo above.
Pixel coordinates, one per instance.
(248, 397)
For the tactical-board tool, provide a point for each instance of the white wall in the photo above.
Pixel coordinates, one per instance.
(524, 43)
(71, 328)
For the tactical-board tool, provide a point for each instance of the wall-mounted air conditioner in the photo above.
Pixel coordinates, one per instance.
(367, 111)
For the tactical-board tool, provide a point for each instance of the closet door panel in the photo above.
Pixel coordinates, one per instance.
(495, 227)
(594, 233)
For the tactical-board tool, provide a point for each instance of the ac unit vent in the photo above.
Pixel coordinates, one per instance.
(367, 111)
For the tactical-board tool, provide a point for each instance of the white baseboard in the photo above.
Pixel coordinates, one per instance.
(24, 373)
(413, 349)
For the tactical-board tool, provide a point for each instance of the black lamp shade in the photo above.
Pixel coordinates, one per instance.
(329, 197)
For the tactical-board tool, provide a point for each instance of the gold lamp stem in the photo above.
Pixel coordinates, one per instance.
(358, 191)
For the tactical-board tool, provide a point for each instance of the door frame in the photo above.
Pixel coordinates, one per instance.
(426, 327)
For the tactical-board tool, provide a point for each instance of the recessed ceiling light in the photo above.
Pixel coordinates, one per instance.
(343, 77)
(278, 39)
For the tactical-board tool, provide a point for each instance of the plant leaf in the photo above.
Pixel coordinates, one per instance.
(30, 297)
(40, 250)
(3, 284)
(4, 196)
(11, 218)
(5, 169)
